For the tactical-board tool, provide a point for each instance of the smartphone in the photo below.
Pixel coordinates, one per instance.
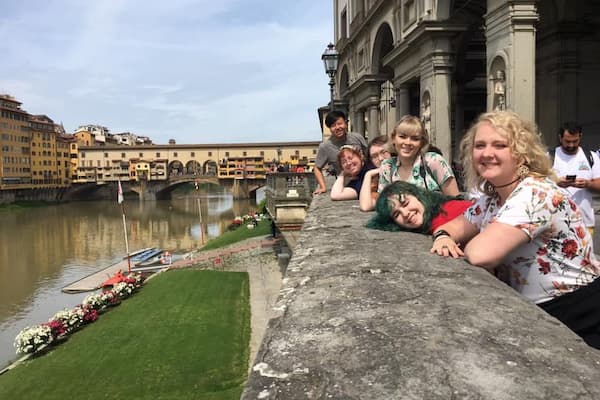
(571, 177)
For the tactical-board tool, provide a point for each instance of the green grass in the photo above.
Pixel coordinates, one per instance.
(241, 233)
(184, 335)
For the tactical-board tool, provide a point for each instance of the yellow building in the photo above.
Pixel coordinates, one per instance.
(64, 170)
(15, 159)
(43, 152)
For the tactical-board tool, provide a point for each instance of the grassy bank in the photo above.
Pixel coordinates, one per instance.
(185, 335)
(241, 233)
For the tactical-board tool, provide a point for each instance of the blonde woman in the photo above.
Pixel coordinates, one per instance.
(414, 163)
(524, 226)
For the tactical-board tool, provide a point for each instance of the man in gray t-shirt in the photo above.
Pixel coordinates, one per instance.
(328, 150)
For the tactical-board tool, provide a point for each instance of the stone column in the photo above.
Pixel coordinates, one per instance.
(510, 33)
(373, 127)
(402, 102)
(436, 77)
(360, 122)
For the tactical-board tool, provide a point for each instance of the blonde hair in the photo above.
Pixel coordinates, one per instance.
(524, 140)
(411, 125)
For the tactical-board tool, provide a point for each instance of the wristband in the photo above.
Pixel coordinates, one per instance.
(438, 234)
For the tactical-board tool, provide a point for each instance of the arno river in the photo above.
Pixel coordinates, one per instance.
(44, 249)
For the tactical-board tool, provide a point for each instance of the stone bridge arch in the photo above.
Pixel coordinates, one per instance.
(193, 167)
(210, 167)
(175, 168)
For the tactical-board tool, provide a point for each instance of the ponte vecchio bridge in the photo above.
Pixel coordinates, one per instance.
(154, 170)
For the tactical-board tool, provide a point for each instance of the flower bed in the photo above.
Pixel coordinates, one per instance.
(249, 220)
(65, 322)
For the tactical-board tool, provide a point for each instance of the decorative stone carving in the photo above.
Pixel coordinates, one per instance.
(426, 113)
(499, 91)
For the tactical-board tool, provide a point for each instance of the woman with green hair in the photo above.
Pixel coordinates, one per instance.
(404, 206)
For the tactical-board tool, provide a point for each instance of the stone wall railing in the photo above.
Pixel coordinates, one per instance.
(365, 314)
(288, 196)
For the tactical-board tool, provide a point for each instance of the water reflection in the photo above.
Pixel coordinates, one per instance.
(44, 249)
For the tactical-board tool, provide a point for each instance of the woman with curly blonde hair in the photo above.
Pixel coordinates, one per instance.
(525, 226)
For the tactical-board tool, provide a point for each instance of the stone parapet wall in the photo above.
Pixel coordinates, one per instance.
(365, 314)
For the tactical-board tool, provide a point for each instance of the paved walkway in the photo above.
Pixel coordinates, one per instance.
(217, 254)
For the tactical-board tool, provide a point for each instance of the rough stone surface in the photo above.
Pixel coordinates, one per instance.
(365, 314)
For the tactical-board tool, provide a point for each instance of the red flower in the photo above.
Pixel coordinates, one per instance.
(573, 205)
(560, 286)
(542, 251)
(544, 266)
(580, 231)
(569, 248)
(477, 210)
(557, 199)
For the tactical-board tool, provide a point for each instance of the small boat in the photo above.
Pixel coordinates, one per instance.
(164, 259)
(146, 255)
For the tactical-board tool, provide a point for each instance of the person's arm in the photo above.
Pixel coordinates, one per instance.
(450, 187)
(491, 246)
(340, 192)
(442, 173)
(365, 198)
(594, 183)
(448, 237)
(321, 187)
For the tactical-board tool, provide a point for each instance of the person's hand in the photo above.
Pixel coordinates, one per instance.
(446, 246)
(580, 183)
(320, 190)
(373, 172)
(564, 182)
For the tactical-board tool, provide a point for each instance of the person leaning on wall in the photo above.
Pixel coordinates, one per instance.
(525, 227)
(328, 151)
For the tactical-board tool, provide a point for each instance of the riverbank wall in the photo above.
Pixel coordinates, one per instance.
(52, 195)
(371, 314)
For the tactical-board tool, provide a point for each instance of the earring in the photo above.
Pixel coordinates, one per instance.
(489, 189)
(523, 171)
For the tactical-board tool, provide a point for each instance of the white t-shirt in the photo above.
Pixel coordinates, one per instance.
(578, 164)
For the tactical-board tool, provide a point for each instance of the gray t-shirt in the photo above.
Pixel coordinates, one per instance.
(328, 150)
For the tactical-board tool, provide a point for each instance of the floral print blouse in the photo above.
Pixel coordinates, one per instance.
(437, 172)
(558, 257)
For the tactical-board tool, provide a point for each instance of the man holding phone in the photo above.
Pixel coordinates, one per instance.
(578, 170)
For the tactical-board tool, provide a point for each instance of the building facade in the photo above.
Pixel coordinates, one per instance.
(15, 144)
(448, 61)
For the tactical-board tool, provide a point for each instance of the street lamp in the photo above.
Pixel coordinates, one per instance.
(330, 61)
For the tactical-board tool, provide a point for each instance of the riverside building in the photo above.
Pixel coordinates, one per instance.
(448, 61)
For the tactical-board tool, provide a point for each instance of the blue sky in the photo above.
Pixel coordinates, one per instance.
(198, 71)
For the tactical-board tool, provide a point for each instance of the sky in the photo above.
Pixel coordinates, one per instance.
(197, 71)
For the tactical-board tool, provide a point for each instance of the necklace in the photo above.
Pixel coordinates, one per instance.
(508, 184)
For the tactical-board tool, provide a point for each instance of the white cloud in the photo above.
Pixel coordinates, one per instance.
(193, 70)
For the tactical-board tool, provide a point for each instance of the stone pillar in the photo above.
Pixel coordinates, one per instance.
(510, 34)
(360, 122)
(436, 77)
(402, 102)
(373, 128)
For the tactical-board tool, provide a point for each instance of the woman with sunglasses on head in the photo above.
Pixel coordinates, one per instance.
(524, 226)
(378, 150)
(404, 206)
(348, 184)
(414, 163)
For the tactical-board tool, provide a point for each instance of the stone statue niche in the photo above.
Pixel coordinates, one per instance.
(426, 113)
(499, 84)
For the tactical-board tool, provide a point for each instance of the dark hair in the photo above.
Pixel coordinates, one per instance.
(432, 202)
(333, 116)
(571, 127)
